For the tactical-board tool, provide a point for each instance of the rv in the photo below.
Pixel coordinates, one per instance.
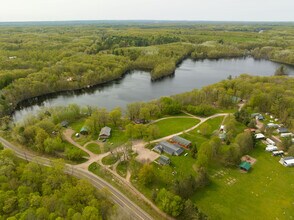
(271, 148)
(278, 153)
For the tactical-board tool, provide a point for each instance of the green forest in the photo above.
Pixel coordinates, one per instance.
(60, 58)
(32, 191)
(40, 60)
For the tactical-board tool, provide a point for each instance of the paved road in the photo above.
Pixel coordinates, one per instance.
(116, 195)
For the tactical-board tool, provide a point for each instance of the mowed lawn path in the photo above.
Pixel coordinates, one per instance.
(267, 192)
(174, 125)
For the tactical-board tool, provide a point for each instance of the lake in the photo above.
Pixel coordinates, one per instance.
(137, 85)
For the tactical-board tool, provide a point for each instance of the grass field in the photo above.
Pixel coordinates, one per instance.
(266, 192)
(173, 125)
(122, 168)
(93, 147)
(198, 138)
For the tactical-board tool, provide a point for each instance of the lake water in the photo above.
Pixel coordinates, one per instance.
(137, 85)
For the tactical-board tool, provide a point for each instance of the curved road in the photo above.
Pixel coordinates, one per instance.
(98, 182)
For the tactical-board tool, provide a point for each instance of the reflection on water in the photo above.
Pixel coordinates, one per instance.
(137, 85)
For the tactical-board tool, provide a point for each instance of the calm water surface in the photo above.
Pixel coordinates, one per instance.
(137, 85)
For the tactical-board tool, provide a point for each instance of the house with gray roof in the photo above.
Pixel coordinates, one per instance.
(163, 160)
(105, 132)
(168, 148)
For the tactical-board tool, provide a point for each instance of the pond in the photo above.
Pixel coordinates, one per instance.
(137, 85)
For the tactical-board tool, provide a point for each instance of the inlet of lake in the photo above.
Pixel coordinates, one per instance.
(137, 85)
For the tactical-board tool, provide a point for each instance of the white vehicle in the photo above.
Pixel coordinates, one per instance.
(278, 153)
(270, 141)
(271, 148)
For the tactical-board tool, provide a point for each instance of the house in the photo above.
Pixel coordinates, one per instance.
(168, 148)
(245, 166)
(270, 141)
(282, 130)
(64, 124)
(163, 160)
(287, 161)
(84, 131)
(259, 136)
(260, 117)
(105, 132)
(181, 141)
(222, 128)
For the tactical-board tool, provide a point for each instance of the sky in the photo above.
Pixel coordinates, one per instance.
(207, 10)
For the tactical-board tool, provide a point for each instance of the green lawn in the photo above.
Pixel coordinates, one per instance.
(70, 146)
(174, 125)
(122, 168)
(195, 137)
(93, 147)
(110, 159)
(116, 139)
(267, 192)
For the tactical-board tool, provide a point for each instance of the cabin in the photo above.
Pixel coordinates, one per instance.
(181, 141)
(287, 161)
(282, 130)
(163, 160)
(84, 131)
(259, 136)
(105, 132)
(64, 124)
(270, 141)
(168, 148)
(245, 166)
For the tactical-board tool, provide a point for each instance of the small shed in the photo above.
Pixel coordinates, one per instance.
(84, 131)
(245, 166)
(163, 160)
(105, 132)
(260, 117)
(64, 124)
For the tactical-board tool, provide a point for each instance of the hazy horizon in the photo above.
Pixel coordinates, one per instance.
(148, 10)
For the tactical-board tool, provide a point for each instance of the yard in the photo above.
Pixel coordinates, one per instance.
(94, 148)
(266, 192)
(174, 125)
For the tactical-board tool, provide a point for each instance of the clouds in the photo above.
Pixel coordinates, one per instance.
(238, 10)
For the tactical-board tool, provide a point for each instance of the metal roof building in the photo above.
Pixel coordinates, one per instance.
(168, 148)
(180, 141)
(105, 132)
